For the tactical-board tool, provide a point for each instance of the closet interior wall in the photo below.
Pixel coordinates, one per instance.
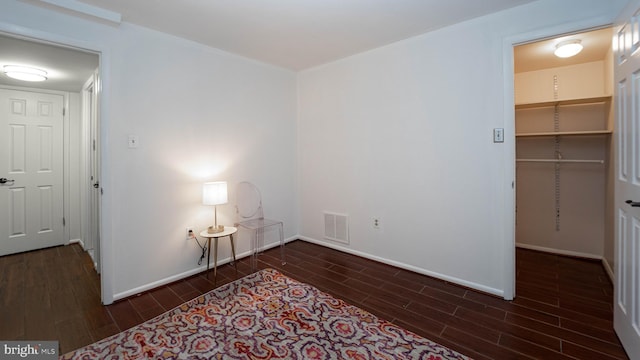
(565, 114)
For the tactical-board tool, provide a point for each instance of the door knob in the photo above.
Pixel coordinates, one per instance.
(5, 180)
(633, 203)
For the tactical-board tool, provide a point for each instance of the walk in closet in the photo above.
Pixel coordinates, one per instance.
(564, 122)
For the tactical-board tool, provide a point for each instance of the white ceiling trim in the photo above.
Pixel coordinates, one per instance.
(87, 9)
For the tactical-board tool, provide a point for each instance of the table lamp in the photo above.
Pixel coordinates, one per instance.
(214, 193)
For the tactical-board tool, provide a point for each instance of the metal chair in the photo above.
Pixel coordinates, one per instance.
(250, 216)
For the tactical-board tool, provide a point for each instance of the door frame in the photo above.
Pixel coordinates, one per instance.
(509, 250)
(104, 62)
(91, 153)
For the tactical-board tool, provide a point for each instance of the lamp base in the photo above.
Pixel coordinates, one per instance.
(215, 230)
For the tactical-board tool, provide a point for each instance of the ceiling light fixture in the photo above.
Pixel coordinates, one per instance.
(568, 48)
(25, 73)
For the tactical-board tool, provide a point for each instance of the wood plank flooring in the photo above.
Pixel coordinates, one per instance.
(563, 309)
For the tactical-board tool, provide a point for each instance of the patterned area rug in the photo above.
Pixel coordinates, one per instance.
(265, 315)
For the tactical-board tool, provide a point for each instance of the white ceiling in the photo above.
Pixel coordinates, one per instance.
(539, 55)
(296, 34)
(67, 69)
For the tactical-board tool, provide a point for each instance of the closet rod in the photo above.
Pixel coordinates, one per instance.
(562, 161)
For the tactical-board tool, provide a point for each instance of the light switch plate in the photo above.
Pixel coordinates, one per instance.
(498, 135)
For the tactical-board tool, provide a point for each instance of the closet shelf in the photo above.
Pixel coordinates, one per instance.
(566, 133)
(593, 100)
(578, 161)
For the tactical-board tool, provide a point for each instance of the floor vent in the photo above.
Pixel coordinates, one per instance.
(336, 227)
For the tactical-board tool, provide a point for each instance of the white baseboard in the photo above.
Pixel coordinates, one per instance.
(201, 268)
(559, 252)
(437, 275)
(462, 282)
(76, 241)
(90, 252)
(609, 270)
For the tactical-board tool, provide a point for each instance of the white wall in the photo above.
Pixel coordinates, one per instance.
(200, 114)
(225, 118)
(404, 133)
(537, 86)
(582, 189)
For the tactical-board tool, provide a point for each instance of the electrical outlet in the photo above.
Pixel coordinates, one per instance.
(132, 141)
(376, 223)
(190, 233)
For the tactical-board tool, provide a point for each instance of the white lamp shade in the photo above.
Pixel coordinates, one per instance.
(214, 193)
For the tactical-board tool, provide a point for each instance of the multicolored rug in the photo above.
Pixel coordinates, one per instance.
(265, 315)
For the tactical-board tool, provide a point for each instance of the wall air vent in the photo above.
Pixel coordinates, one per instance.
(336, 227)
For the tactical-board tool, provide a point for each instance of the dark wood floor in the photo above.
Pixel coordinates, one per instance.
(563, 309)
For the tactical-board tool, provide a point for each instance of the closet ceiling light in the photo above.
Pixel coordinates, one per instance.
(568, 48)
(25, 73)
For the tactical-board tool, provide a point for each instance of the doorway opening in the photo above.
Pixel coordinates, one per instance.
(564, 154)
(72, 75)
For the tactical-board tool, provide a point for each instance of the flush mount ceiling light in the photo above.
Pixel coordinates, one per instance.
(25, 73)
(568, 48)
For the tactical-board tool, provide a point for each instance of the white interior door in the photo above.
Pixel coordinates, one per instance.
(31, 197)
(94, 168)
(627, 186)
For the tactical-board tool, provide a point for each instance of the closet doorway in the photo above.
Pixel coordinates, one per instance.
(564, 155)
